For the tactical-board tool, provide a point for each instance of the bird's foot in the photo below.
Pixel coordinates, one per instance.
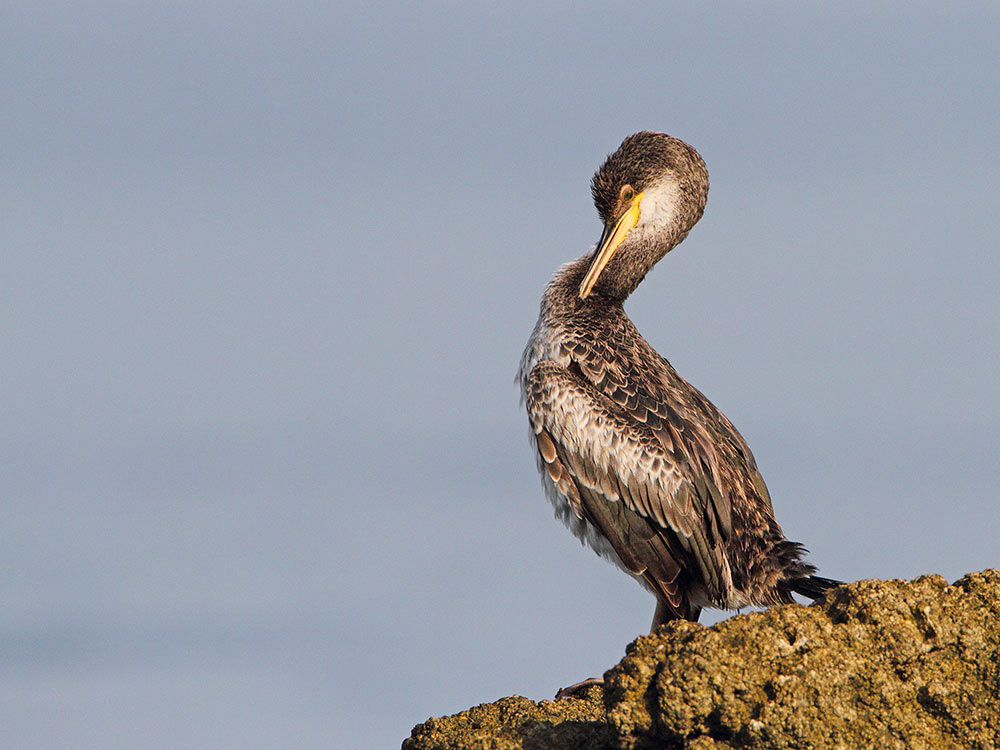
(579, 690)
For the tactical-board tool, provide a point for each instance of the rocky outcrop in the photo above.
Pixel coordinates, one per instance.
(876, 664)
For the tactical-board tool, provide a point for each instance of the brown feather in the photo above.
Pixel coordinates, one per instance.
(652, 468)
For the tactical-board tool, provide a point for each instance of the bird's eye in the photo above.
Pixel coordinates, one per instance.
(627, 193)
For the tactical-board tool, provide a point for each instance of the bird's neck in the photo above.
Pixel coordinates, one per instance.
(563, 293)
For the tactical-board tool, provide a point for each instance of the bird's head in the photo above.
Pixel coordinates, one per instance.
(649, 193)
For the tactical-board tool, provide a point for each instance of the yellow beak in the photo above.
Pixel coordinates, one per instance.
(609, 243)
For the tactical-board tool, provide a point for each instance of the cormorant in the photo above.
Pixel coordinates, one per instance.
(637, 462)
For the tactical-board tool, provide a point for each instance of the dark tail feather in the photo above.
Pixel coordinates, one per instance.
(812, 586)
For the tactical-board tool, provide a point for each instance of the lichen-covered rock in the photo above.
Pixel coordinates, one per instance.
(884, 664)
(516, 722)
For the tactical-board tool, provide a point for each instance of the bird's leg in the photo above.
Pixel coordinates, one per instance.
(665, 613)
(661, 615)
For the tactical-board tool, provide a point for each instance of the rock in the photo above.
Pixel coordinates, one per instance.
(516, 722)
(885, 664)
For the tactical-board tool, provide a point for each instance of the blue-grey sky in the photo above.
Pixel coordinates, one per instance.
(267, 272)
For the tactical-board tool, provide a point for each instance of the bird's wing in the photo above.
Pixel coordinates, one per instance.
(623, 464)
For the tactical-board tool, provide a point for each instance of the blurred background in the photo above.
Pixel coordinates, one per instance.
(267, 272)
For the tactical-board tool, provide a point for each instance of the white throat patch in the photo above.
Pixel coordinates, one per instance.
(660, 208)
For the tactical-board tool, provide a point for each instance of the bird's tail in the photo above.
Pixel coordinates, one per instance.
(798, 574)
(812, 586)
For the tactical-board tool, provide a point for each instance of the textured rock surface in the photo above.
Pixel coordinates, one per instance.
(518, 722)
(885, 664)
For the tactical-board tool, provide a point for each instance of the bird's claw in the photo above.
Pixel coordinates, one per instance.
(579, 690)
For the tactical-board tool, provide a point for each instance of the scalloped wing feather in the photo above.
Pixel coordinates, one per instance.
(615, 471)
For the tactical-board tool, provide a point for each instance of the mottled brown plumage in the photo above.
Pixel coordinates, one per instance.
(638, 462)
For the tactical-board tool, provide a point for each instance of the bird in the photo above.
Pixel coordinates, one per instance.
(639, 464)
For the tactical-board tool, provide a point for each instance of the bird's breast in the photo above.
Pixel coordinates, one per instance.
(545, 344)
